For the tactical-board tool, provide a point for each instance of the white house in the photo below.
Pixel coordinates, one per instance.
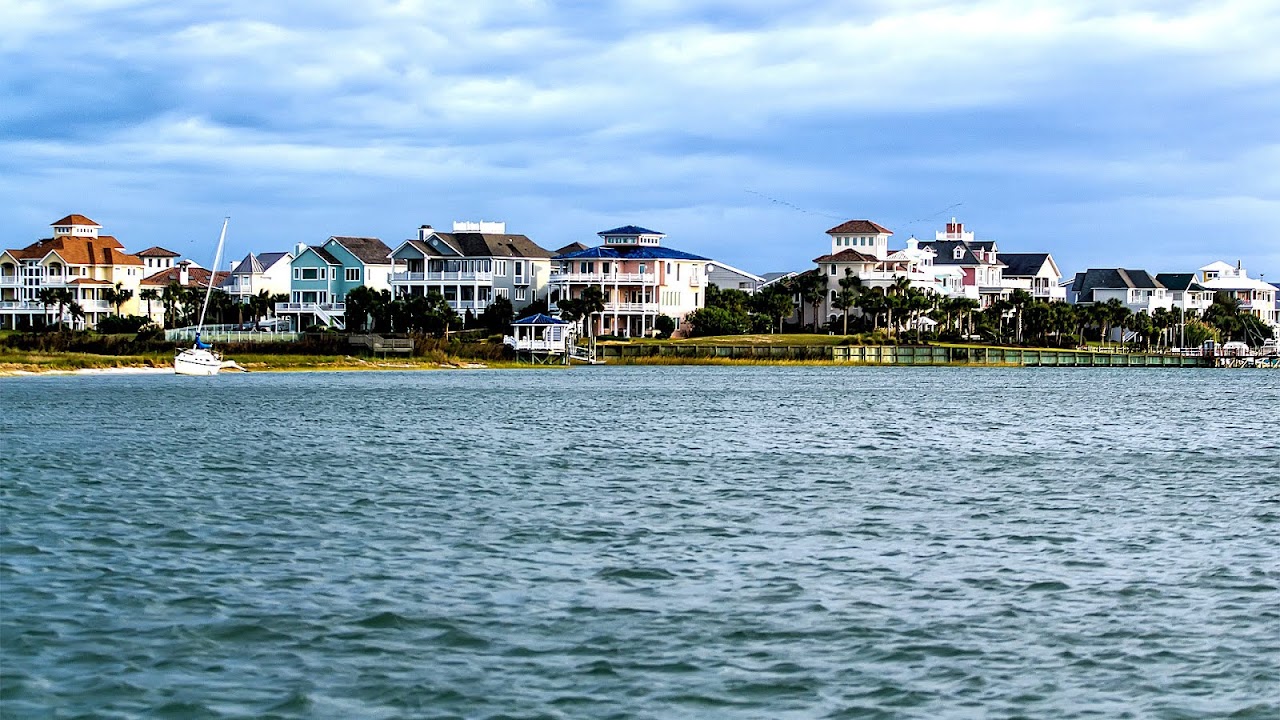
(1256, 297)
(1138, 290)
(472, 266)
(255, 273)
(1034, 273)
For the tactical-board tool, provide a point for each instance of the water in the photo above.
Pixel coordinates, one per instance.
(642, 543)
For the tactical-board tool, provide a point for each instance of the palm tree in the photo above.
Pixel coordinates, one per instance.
(591, 302)
(172, 296)
(47, 296)
(76, 311)
(149, 294)
(847, 295)
(812, 287)
(117, 296)
(1018, 302)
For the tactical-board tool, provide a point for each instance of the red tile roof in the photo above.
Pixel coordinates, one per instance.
(157, 251)
(75, 220)
(196, 277)
(80, 250)
(865, 227)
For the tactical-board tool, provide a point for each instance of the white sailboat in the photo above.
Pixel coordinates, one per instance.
(200, 359)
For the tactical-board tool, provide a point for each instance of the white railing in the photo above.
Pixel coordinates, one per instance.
(474, 305)
(603, 278)
(535, 345)
(225, 336)
(695, 280)
(10, 280)
(95, 305)
(28, 305)
(471, 276)
(324, 308)
(630, 307)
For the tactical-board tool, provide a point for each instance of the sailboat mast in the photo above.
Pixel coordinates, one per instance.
(213, 273)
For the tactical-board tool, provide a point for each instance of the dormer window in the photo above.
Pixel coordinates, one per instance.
(957, 253)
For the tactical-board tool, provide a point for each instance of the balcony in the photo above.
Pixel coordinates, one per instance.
(311, 307)
(604, 278)
(10, 280)
(630, 307)
(25, 306)
(441, 276)
(475, 306)
(695, 280)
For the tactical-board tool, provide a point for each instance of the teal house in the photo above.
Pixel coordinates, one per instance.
(321, 277)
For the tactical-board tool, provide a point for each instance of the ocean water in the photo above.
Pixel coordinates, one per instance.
(673, 542)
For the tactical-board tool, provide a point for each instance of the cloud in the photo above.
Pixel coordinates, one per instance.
(661, 113)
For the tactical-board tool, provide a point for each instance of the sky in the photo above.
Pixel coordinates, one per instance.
(1119, 133)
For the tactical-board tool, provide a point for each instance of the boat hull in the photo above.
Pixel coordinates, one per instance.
(196, 362)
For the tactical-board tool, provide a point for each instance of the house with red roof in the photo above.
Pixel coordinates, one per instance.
(78, 259)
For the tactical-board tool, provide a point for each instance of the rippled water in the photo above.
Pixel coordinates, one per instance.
(643, 543)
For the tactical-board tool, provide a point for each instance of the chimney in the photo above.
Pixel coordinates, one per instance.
(424, 232)
(298, 248)
(184, 274)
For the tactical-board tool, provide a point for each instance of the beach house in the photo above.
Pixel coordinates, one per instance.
(727, 277)
(471, 266)
(78, 260)
(639, 278)
(186, 275)
(1034, 273)
(1138, 290)
(978, 263)
(321, 276)
(1256, 297)
(255, 273)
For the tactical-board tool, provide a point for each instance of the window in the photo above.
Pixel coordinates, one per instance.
(604, 268)
(502, 268)
(519, 268)
(833, 270)
(521, 294)
(642, 268)
(957, 253)
(306, 274)
(668, 268)
(502, 292)
(324, 273)
(353, 274)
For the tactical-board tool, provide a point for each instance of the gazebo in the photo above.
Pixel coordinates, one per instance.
(541, 339)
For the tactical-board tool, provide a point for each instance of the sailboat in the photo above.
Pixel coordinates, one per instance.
(200, 359)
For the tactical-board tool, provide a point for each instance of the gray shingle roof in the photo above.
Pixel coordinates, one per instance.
(1022, 264)
(369, 250)
(1111, 279)
(945, 250)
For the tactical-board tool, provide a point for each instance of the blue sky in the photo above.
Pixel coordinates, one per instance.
(1134, 133)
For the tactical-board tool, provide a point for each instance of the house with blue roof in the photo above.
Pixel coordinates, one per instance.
(321, 277)
(639, 277)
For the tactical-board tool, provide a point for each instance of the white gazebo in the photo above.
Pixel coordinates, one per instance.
(541, 339)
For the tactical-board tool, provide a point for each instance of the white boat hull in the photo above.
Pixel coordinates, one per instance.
(197, 362)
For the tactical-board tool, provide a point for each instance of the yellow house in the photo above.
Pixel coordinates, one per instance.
(78, 259)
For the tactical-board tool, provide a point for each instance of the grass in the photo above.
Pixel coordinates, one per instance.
(14, 361)
(20, 361)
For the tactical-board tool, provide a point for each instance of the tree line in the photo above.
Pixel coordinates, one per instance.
(906, 313)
